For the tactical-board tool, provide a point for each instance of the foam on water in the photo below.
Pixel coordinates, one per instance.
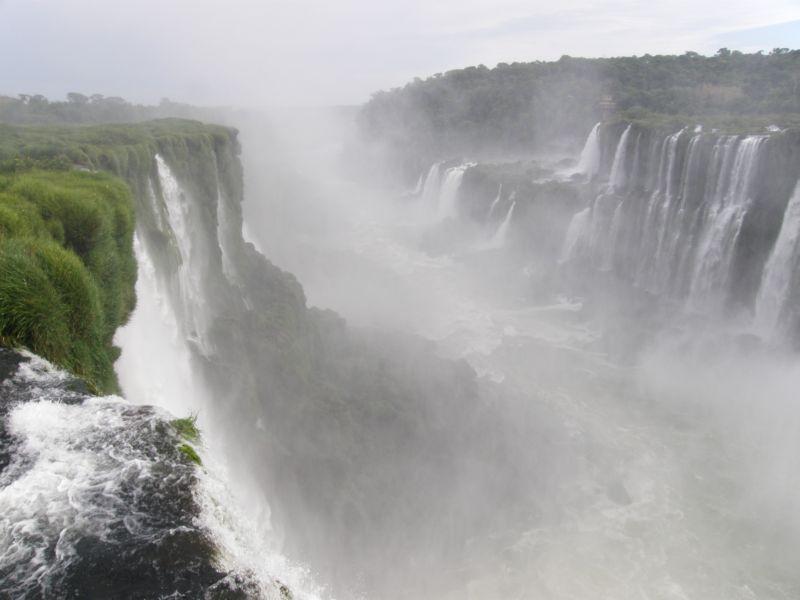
(70, 477)
(158, 366)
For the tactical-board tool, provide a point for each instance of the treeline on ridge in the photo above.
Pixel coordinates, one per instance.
(519, 106)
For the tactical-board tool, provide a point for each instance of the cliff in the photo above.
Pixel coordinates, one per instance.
(699, 217)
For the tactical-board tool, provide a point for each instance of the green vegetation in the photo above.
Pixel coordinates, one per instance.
(521, 105)
(29, 109)
(725, 124)
(187, 428)
(190, 453)
(66, 267)
(124, 150)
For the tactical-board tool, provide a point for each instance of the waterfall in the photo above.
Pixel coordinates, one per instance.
(448, 196)
(496, 201)
(433, 183)
(723, 221)
(193, 262)
(613, 238)
(163, 362)
(576, 232)
(671, 217)
(223, 223)
(672, 235)
(780, 269)
(589, 162)
(617, 178)
(91, 480)
(418, 188)
(153, 342)
(499, 237)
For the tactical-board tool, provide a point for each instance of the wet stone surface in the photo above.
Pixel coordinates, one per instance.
(96, 500)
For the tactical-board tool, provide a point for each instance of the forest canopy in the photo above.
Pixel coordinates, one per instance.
(516, 106)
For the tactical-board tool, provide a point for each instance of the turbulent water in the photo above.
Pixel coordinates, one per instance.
(669, 470)
(632, 431)
(163, 347)
(96, 498)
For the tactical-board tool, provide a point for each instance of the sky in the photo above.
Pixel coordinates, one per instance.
(322, 52)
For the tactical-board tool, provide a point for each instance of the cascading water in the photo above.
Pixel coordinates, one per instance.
(496, 201)
(576, 233)
(161, 364)
(780, 271)
(617, 178)
(192, 256)
(448, 195)
(672, 224)
(418, 187)
(656, 503)
(499, 237)
(589, 162)
(93, 493)
(723, 221)
(433, 183)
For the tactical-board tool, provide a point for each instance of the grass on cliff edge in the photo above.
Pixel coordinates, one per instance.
(67, 269)
(52, 213)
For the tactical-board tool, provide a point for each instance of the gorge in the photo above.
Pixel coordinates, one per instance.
(357, 368)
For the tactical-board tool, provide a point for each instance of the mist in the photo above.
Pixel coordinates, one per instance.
(445, 330)
(635, 433)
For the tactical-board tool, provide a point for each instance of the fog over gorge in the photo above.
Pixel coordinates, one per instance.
(395, 300)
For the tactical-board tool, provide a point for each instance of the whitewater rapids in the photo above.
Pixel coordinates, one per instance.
(663, 495)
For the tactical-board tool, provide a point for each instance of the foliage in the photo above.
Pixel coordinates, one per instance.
(190, 453)
(518, 106)
(78, 109)
(66, 267)
(66, 231)
(187, 428)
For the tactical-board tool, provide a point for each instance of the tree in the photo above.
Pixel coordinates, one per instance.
(76, 98)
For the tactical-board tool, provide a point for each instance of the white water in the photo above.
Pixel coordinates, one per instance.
(158, 367)
(723, 223)
(780, 269)
(576, 232)
(630, 525)
(152, 343)
(44, 492)
(618, 177)
(418, 188)
(448, 195)
(496, 200)
(589, 162)
(433, 183)
(499, 237)
(657, 500)
(193, 259)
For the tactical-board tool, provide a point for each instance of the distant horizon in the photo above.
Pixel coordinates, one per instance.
(354, 105)
(311, 52)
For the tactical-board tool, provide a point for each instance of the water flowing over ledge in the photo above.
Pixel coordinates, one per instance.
(704, 220)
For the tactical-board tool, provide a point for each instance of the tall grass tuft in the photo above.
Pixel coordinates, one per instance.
(67, 269)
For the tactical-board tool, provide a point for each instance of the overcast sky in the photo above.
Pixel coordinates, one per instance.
(315, 52)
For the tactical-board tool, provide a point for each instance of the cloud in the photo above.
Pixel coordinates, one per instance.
(277, 52)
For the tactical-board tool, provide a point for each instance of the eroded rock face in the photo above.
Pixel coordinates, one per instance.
(96, 500)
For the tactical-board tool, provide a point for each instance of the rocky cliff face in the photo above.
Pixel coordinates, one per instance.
(699, 219)
(331, 423)
(97, 497)
(696, 217)
(102, 497)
